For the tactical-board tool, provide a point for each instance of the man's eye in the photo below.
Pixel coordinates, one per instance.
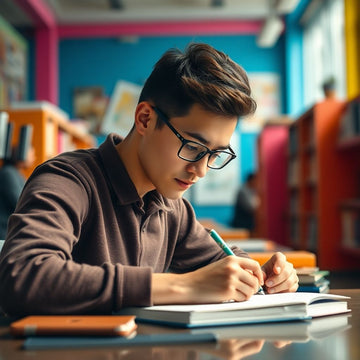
(193, 147)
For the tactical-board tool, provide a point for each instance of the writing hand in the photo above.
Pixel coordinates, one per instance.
(280, 275)
(231, 278)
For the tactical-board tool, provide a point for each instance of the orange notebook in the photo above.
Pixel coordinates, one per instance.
(99, 325)
(299, 258)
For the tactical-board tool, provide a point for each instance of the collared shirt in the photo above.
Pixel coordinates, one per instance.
(81, 239)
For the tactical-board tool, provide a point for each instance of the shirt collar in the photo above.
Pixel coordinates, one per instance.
(119, 178)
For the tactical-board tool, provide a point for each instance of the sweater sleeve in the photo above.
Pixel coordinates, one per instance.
(195, 247)
(37, 272)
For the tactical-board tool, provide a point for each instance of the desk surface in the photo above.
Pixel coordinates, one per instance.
(344, 344)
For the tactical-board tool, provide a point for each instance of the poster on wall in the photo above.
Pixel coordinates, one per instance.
(13, 55)
(219, 187)
(90, 105)
(265, 88)
(119, 116)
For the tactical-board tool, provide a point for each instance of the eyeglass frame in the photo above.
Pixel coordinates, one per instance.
(184, 141)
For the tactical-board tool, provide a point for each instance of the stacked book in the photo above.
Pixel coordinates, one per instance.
(312, 279)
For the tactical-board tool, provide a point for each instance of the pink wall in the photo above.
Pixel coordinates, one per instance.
(161, 28)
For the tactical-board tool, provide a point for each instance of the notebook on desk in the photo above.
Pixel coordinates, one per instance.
(259, 309)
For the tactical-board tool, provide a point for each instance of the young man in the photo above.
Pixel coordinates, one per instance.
(96, 230)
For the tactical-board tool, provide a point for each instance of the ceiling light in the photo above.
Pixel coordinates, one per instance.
(270, 32)
(287, 6)
(217, 3)
(116, 4)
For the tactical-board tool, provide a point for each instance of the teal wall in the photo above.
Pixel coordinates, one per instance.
(103, 61)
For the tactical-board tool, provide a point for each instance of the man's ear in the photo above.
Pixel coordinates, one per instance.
(143, 115)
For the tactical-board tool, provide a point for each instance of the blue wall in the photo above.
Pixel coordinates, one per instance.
(294, 91)
(104, 61)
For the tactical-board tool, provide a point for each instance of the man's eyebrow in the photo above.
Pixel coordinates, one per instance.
(202, 140)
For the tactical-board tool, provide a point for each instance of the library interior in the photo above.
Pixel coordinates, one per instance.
(72, 73)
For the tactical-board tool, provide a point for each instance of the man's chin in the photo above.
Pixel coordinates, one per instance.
(174, 195)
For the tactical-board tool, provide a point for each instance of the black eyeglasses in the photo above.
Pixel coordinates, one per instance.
(193, 151)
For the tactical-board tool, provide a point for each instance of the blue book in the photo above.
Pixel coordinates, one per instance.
(322, 287)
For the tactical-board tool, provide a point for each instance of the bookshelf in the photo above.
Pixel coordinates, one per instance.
(272, 144)
(320, 178)
(53, 133)
(349, 205)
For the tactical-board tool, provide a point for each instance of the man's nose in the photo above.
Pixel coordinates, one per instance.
(199, 168)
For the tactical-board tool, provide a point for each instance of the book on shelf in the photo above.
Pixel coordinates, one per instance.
(295, 232)
(294, 202)
(8, 141)
(51, 145)
(4, 118)
(311, 138)
(295, 331)
(65, 142)
(294, 172)
(313, 170)
(350, 120)
(350, 219)
(293, 140)
(25, 142)
(312, 229)
(258, 309)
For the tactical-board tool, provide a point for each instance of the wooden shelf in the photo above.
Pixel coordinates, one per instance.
(75, 132)
(53, 132)
(325, 179)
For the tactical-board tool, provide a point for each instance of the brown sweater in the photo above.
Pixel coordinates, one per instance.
(81, 240)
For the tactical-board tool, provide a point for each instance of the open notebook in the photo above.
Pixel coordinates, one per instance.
(259, 309)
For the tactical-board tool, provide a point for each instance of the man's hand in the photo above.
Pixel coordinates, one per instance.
(279, 275)
(231, 278)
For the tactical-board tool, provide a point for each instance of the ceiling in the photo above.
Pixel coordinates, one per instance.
(117, 11)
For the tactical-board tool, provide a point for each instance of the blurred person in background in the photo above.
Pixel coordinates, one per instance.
(247, 201)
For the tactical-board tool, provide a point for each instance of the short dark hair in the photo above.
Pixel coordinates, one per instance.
(199, 75)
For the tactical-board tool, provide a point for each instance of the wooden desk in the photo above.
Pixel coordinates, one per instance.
(343, 345)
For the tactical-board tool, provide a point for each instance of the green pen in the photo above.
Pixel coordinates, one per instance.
(227, 250)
